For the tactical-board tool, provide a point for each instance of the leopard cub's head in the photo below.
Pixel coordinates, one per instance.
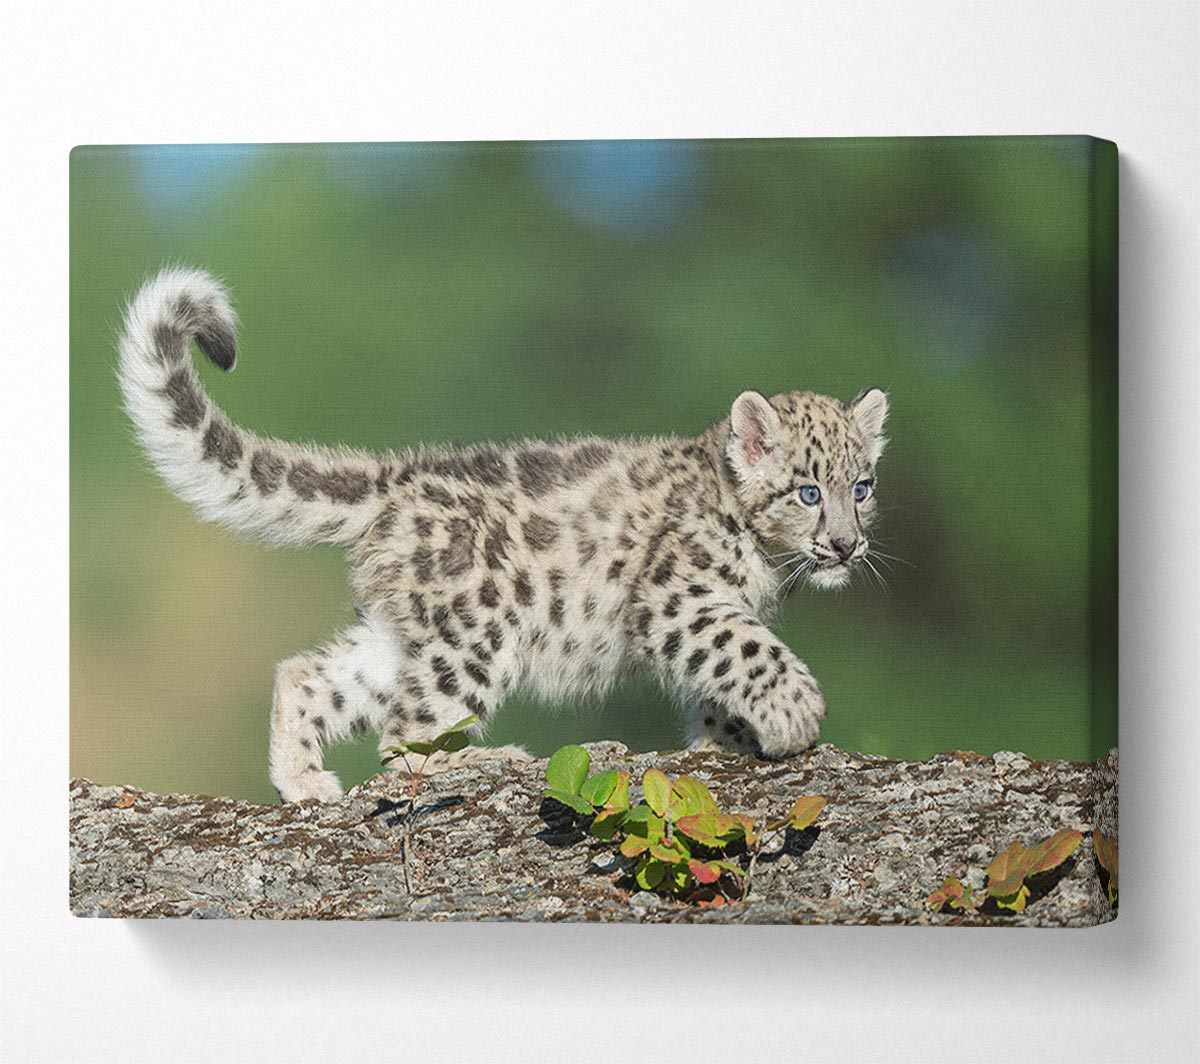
(804, 469)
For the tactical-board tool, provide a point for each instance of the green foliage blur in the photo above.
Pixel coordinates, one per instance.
(391, 294)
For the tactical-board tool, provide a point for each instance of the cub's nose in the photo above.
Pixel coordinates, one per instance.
(844, 547)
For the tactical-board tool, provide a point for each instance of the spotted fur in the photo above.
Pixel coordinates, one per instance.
(551, 566)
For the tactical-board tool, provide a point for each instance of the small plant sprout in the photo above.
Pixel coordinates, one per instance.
(684, 845)
(451, 740)
(952, 893)
(1008, 874)
(1106, 857)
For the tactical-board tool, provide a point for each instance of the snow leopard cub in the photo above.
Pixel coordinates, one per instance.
(549, 565)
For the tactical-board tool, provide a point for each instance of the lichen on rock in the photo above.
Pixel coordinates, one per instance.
(485, 845)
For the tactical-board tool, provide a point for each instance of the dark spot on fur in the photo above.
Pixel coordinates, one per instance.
(338, 485)
(664, 571)
(217, 342)
(700, 623)
(489, 594)
(462, 610)
(425, 715)
(447, 682)
(556, 611)
(318, 723)
(418, 605)
(614, 570)
(538, 470)
(456, 556)
(339, 700)
(696, 659)
(423, 526)
(477, 674)
(721, 638)
(423, 563)
(495, 634)
(722, 667)
(523, 588)
(540, 532)
(671, 644)
(266, 470)
(435, 493)
(187, 401)
(749, 648)
(495, 545)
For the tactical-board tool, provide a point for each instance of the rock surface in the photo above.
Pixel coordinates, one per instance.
(486, 846)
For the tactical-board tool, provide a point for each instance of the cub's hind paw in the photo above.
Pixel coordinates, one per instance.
(323, 786)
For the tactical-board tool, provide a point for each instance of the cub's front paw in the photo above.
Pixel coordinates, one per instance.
(792, 718)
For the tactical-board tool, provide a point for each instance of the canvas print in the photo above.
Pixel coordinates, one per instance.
(659, 531)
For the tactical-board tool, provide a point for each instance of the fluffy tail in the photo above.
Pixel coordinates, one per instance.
(281, 492)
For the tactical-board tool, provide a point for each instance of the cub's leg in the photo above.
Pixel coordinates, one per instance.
(438, 688)
(344, 689)
(719, 653)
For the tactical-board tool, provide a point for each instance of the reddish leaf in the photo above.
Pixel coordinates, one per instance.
(1007, 871)
(705, 871)
(1051, 852)
(715, 830)
(803, 812)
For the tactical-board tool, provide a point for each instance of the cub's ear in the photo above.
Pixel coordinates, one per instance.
(869, 410)
(754, 434)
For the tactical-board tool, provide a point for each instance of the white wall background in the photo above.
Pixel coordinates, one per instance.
(228, 71)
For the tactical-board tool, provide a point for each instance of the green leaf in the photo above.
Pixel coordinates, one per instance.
(451, 741)
(668, 854)
(692, 798)
(607, 824)
(650, 873)
(568, 768)
(598, 788)
(1015, 902)
(571, 801)
(463, 724)
(1051, 852)
(639, 814)
(657, 789)
(419, 747)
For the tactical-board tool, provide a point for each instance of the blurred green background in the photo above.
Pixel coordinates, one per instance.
(391, 294)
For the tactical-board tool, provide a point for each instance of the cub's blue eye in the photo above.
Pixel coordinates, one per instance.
(861, 490)
(810, 495)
